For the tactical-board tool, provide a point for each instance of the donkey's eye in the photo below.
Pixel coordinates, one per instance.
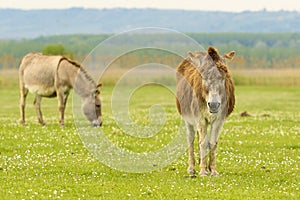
(98, 106)
(205, 90)
(97, 92)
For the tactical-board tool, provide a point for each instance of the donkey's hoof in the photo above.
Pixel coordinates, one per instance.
(43, 123)
(215, 174)
(191, 171)
(61, 122)
(203, 173)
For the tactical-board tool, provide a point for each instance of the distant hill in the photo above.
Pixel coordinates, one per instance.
(17, 24)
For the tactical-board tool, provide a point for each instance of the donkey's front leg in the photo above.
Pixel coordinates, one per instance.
(190, 139)
(212, 161)
(203, 146)
(62, 100)
(213, 142)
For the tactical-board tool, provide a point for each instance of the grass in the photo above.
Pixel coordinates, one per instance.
(257, 157)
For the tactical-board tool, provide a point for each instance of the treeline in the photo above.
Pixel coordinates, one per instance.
(254, 50)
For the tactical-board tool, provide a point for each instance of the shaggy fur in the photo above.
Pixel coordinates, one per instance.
(188, 70)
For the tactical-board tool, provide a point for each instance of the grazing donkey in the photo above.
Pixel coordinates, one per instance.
(51, 76)
(204, 96)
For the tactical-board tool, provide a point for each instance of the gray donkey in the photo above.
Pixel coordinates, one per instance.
(204, 96)
(51, 76)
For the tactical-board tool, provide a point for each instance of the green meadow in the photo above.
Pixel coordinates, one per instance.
(258, 156)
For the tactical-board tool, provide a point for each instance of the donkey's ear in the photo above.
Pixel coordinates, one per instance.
(195, 58)
(99, 85)
(197, 54)
(213, 53)
(97, 91)
(191, 54)
(229, 55)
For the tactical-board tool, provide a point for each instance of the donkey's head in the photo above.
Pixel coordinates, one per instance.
(213, 71)
(91, 107)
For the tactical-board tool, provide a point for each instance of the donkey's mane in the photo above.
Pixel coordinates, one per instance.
(76, 64)
(71, 61)
(186, 70)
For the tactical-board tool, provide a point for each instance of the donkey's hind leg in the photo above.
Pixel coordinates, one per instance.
(23, 95)
(37, 104)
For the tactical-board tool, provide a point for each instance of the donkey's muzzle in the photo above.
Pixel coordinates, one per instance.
(97, 122)
(213, 107)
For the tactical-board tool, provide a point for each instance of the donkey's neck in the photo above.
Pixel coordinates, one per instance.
(73, 74)
(84, 85)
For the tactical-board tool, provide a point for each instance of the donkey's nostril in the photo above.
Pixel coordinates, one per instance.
(213, 105)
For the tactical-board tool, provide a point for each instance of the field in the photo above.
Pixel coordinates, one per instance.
(258, 156)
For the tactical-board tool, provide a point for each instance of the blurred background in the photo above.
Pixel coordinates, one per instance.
(264, 34)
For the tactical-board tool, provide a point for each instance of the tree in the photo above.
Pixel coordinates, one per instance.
(56, 49)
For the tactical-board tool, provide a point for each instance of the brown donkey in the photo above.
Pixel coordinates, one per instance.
(205, 97)
(51, 76)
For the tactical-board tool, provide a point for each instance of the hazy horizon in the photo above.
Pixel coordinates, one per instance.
(212, 5)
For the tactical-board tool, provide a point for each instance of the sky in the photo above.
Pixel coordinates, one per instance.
(209, 5)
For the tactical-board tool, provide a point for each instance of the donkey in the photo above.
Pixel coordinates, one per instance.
(204, 98)
(51, 76)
